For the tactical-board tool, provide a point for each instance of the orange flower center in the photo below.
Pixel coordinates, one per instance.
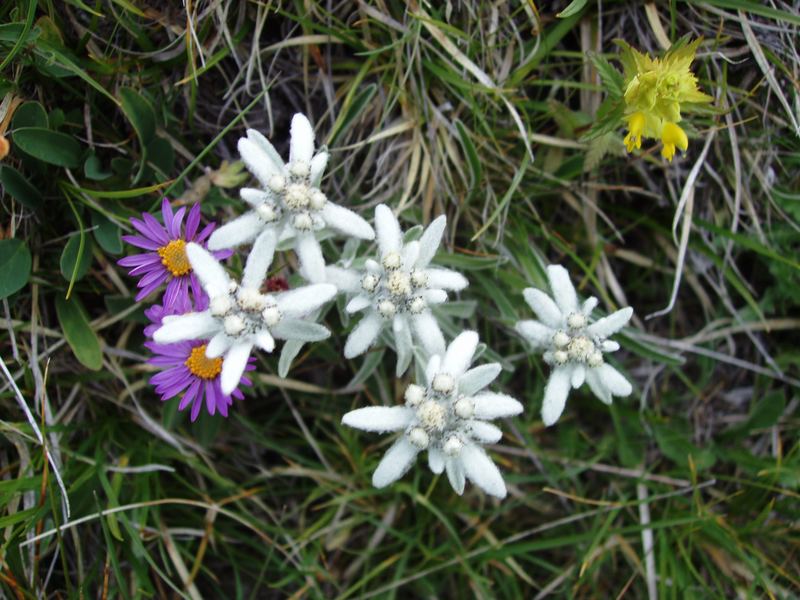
(201, 366)
(173, 257)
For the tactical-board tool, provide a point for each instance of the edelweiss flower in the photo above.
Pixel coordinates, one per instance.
(573, 347)
(240, 316)
(291, 205)
(398, 289)
(448, 418)
(655, 89)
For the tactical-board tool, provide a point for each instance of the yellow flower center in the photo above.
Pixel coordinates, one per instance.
(671, 136)
(173, 257)
(201, 366)
(636, 127)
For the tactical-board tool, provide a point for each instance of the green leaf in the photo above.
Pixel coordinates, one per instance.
(79, 334)
(676, 446)
(476, 170)
(94, 170)
(49, 146)
(30, 114)
(106, 233)
(19, 188)
(765, 413)
(15, 266)
(140, 113)
(573, 8)
(353, 110)
(75, 261)
(611, 77)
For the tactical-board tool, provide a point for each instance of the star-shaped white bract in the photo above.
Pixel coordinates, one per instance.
(239, 316)
(398, 290)
(572, 347)
(290, 207)
(447, 416)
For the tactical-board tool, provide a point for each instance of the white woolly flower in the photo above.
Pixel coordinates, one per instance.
(290, 207)
(239, 316)
(449, 417)
(572, 346)
(397, 289)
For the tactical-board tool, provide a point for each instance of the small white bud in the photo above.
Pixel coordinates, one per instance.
(579, 348)
(431, 415)
(417, 305)
(302, 222)
(369, 282)
(266, 212)
(271, 316)
(560, 357)
(296, 196)
(453, 446)
(276, 183)
(232, 287)
(465, 408)
(576, 321)
(443, 383)
(220, 305)
(419, 278)
(234, 325)
(399, 284)
(251, 300)
(414, 395)
(392, 260)
(595, 359)
(317, 199)
(299, 168)
(419, 438)
(560, 339)
(387, 308)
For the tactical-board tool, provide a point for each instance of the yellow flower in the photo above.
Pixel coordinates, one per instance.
(656, 90)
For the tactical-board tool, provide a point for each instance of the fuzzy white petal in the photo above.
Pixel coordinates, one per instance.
(254, 197)
(589, 305)
(430, 240)
(563, 290)
(537, 334)
(481, 471)
(446, 279)
(491, 405)
(345, 280)
(297, 329)
(239, 231)
(218, 345)
(189, 326)
(434, 296)
(409, 254)
(612, 323)
(455, 474)
(427, 331)
(312, 264)
(403, 343)
(364, 334)
(318, 164)
(265, 341)
(256, 161)
(609, 346)
(484, 432)
(478, 378)
(233, 366)
(301, 301)
(358, 303)
(387, 230)
(347, 222)
(613, 380)
(301, 144)
(212, 276)
(435, 460)
(267, 148)
(555, 394)
(394, 464)
(432, 368)
(259, 259)
(544, 307)
(379, 418)
(459, 353)
(578, 376)
(597, 387)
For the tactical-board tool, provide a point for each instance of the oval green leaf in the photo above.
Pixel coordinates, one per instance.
(15, 266)
(19, 188)
(70, 256)
(79, 334)
(140, 113)
(93, 169)
(49, 146)
(107, 234)
(30, 114)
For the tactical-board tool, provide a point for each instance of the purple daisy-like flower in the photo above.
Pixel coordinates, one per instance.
(165, 260)
(187, 370)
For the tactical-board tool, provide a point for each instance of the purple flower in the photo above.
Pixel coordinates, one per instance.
(186, 369)
(166, 260)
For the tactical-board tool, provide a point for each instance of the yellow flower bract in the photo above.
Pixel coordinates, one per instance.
(655, 91)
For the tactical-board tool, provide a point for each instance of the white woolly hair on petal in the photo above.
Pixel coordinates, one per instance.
(301, 301)
(535, 333)
(395, 463)
(435, 459)
(265, 341)
(555, 394)
(430, 240)
(254, 158)
(432, 368)
(345, 280)
(259, 259)
(266, 147)
(218, 345)
(484, 432)
(578, 376)
(481, 471)
(491, 405)
(312, 263)
(373, 267)
(435, 296)
(544, 307)
(379, 418)
(189, 326)
(609, 346)
(212, 276)
(459, 353)
(455, 474)
(613, 380)
(346, 222)
(427, 332)
(612, 323)
(478, 378)
(563, 291)
(409, 254)
(364, 335)
(358, 303)
(403, 343)
(253, 196)
(233, 366)
(387, 230)
(301, 143)
(318, 164)
(298, 329)
(589, 305)
(598, 387)
(237, 232)
(446, 279)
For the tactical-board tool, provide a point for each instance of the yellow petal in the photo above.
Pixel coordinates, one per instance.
(671, 136)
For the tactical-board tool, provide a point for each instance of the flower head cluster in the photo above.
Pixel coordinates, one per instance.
(396, 289)
(656, 90)
(447, 416)
(573, 347)
(290, 207)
